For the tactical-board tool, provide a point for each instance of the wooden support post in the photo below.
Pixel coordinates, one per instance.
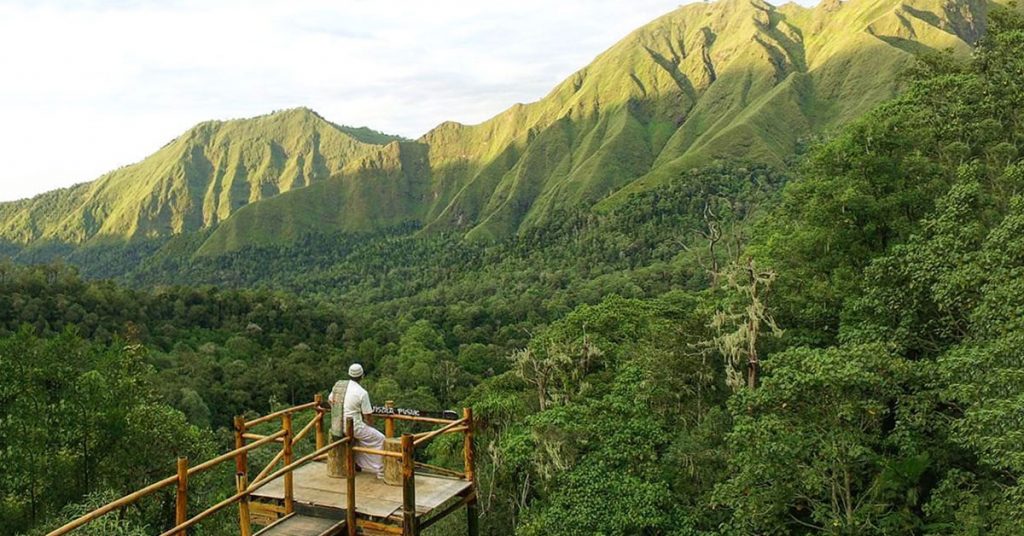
(472, 512)
(244, 517)
(242, 468)
(389, 423)
(289, 477)
(409, 520)
(472, 517)
(467, 446)
(336, 462)
(350, 477)
(241, 461)
(181, 499)
(319, 422)
(393, 466)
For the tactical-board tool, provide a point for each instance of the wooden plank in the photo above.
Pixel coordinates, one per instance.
(298, 525)
(274, 523)
(373, 496)
(373, 527)
(264, 513)
(316, 488)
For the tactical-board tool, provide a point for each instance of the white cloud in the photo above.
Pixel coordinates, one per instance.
(89, 86)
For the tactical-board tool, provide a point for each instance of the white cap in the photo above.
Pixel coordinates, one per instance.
(355, 371)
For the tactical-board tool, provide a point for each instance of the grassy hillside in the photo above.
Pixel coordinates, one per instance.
(730, 80)
(196, 181)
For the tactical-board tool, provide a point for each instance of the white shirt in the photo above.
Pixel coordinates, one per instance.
(356, 402)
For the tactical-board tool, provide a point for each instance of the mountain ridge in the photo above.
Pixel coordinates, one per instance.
(196, 180)
(732, 80)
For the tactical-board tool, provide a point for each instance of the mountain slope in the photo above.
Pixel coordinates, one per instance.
(196, 181)
(732, 80)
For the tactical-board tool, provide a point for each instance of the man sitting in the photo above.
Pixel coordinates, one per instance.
(350, 401)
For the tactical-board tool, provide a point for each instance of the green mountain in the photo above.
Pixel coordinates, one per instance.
(734, 79)
(197, 180)
(730, 80)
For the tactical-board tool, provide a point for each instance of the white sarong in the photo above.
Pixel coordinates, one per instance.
(365, 435)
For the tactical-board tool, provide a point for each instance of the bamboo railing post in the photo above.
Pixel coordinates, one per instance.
(472, 514)
(241, 468)
(289, 478)
(181, 498)
(319, 422)
(467, 445)
(241, 460)
(350, 478)
(409, 520)
(389, 423)
(244, 517)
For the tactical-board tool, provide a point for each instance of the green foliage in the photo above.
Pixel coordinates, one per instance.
(105, 526)
(79, 418)
(902, 236)
(813, 448)
(620, 376)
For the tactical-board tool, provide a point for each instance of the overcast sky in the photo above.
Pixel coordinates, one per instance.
(88, 86)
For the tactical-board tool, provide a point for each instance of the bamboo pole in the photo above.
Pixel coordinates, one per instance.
(257, 484)
(181, 497)
(431, 420)
(256, 437)
(441, 470)
(320, 440)
(389, 422)
(467, 445)
(276, 414)
(408, 487)
(350, 478)
(434, 433)
(241, 465)
(248, 491)
(123, 501)
(244, 516)
(206, 513)
(270, 466)
(304, 431)
(241, 460)
(129, 499)
(289, 478)
(378, 452)
(472, 514)
(235, 454)
(457, 430)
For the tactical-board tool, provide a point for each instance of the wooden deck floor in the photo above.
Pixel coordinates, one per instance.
(297, 525)
(374, 498)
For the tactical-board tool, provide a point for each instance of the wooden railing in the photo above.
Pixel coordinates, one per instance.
(410, 442)
(287, 439)
(240, 455)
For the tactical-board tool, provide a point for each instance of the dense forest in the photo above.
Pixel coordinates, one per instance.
(838, 350)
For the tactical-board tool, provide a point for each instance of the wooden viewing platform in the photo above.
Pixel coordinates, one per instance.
(320, 496)
(303, 498)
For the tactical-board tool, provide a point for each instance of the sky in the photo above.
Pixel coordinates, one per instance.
(87, 86)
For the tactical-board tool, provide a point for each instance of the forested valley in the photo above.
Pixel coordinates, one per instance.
(835, 349)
